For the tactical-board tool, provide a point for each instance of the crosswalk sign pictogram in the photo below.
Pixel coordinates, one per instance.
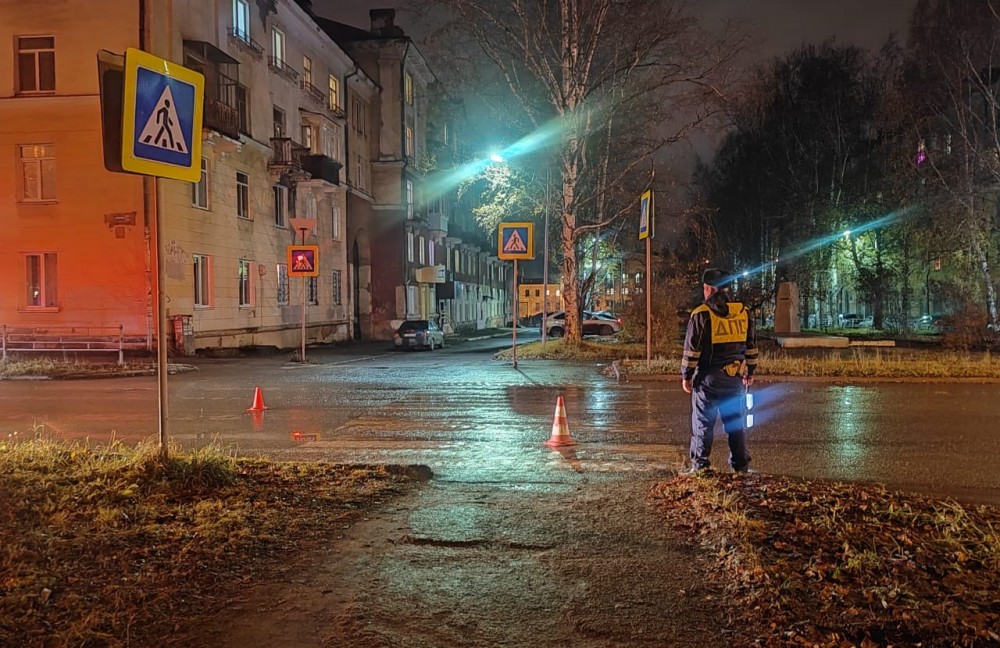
(303, 260)
(161, 118)
(516, 241)
(163, 126)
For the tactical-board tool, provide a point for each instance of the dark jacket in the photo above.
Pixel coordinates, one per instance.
(718, 333)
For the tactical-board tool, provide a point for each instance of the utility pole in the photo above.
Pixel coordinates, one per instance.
(545, 259)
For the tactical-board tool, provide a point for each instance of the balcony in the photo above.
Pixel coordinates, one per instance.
(222, 118)
(312, 91)
(243, 41)
(286, 156)
(321, 167)
(282, 68)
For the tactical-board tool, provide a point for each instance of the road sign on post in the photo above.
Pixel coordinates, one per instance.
(646, 215)
(161, 117)
(516, 241)
(303, 260)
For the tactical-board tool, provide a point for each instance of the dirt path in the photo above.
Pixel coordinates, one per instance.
(582, 562)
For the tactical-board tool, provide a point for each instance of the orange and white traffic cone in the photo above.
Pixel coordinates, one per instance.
(258, 402)
(560, 428)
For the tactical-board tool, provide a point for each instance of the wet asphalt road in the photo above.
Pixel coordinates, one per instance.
(473, 419)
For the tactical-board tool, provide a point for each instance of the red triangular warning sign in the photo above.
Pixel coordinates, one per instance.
(515, 245)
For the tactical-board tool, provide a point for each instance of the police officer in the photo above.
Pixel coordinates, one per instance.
(720, 356)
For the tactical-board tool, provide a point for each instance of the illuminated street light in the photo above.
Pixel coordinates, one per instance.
(495, 157)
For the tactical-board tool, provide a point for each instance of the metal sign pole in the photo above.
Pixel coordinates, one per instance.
(152, 191)
(515, 313)
(302, 353)
(649, 310)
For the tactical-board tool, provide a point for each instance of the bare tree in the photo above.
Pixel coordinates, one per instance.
(955, 83)
(595, 73)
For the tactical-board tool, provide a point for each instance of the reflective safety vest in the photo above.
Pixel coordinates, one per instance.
(732, 328)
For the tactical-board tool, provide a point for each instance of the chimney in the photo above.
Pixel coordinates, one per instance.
(383, 20)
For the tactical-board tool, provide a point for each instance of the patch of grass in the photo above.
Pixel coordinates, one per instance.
(116, 546)
(817, 563)
(52, 368)
(861, 362)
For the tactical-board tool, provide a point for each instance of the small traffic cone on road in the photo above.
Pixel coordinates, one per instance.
(560, 428)
(258, 402)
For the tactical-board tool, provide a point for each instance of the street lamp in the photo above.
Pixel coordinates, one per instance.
(499, 159)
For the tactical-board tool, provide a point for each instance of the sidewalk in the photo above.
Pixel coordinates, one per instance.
(565, 559)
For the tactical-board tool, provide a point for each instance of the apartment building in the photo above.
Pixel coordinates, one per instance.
(76, 249)
(424, 270)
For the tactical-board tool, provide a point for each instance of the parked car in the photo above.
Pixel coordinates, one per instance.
(419, 334)
(815, 321)
(591, 325)
(849, 320)
(929, 323)
(867, 322)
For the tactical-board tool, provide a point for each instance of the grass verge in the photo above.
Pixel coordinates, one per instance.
(829, 564)
(861, 362)
(116, 546)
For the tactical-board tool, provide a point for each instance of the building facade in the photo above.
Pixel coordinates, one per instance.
(77, 249)
(427, 267)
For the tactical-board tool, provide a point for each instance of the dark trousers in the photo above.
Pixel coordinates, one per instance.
(715, 393)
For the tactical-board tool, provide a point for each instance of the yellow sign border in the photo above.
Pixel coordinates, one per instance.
(646, 197)
(134, 59)
(289, 251)
(530, 243)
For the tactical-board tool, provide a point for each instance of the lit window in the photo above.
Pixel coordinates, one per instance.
(336, 287)
(409, 246)
(307, 137)
(408, 88)
(40, 280)
(333, 94)
(409, 141)
(36, 64)
(242, 195)
(307, 70)
(244, 283)
(278, 45)
(282, 284)
(202, 280)
(280, 205)
(199, 190)
(409, 200)
(38, 172)
(420, 245)
(241, 19)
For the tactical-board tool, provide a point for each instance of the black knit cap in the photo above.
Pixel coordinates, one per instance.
(716, 278)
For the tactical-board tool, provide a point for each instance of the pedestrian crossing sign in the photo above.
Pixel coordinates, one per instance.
(161, 117)
(303, 260)
(516, 241)
(646, 215)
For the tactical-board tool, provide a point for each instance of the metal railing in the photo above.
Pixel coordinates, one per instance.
(65, 339)
(242, 39)
(282, 68)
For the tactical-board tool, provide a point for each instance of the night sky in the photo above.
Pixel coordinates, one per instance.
(776, 26)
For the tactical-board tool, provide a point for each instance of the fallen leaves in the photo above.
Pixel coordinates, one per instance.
(118, 547)
(828, 564)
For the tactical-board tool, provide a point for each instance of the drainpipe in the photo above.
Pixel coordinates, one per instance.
(347, 211)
